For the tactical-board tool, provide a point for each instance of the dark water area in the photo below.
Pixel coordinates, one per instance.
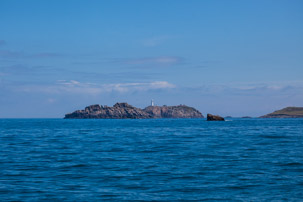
(164, 159)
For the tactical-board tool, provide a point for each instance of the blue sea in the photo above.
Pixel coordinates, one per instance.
(151, 160)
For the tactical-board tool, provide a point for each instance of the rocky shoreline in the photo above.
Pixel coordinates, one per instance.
(126, 111)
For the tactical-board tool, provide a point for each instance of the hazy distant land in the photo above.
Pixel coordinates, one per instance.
(288, 112)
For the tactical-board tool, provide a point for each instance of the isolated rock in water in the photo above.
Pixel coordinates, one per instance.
(126, 111)
(288, 112)
(180, 111)
(211, 117)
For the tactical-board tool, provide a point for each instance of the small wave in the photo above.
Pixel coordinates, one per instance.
(73, 166)
(241, 187)
(292, 164)
(273, 136)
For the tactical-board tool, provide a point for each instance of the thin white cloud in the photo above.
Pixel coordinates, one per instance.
(18, 54)
(2, 42)
(69, 83)
(51, 100)
(76, 87)
(256, 89)
(125, 87)
(163, 60)
(10, 54)
(154, 41)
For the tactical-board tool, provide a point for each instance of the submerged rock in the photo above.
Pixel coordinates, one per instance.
(211, 117)
(126, 111)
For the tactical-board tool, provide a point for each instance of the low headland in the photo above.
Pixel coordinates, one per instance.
(288, 112)
(126, 111)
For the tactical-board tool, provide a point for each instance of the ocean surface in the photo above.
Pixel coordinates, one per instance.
(151, 160)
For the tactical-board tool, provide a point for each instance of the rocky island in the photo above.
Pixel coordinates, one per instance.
(126, 111)
(288, 112)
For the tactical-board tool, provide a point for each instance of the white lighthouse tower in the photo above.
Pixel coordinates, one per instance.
(152, 103)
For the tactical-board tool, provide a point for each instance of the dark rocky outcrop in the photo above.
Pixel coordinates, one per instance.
(126, 111)
(211, 117)
(118, 111)
(180, 111)
(288, 112)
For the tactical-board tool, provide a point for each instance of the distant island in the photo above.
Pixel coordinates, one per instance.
(126, 111)
(288, 112)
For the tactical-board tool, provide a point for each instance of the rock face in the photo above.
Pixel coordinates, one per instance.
(118, 111)
(288, 112)
(180, 111)
(211, 117)
(126, 111)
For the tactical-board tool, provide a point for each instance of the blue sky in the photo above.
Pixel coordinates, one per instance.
(225, 57)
